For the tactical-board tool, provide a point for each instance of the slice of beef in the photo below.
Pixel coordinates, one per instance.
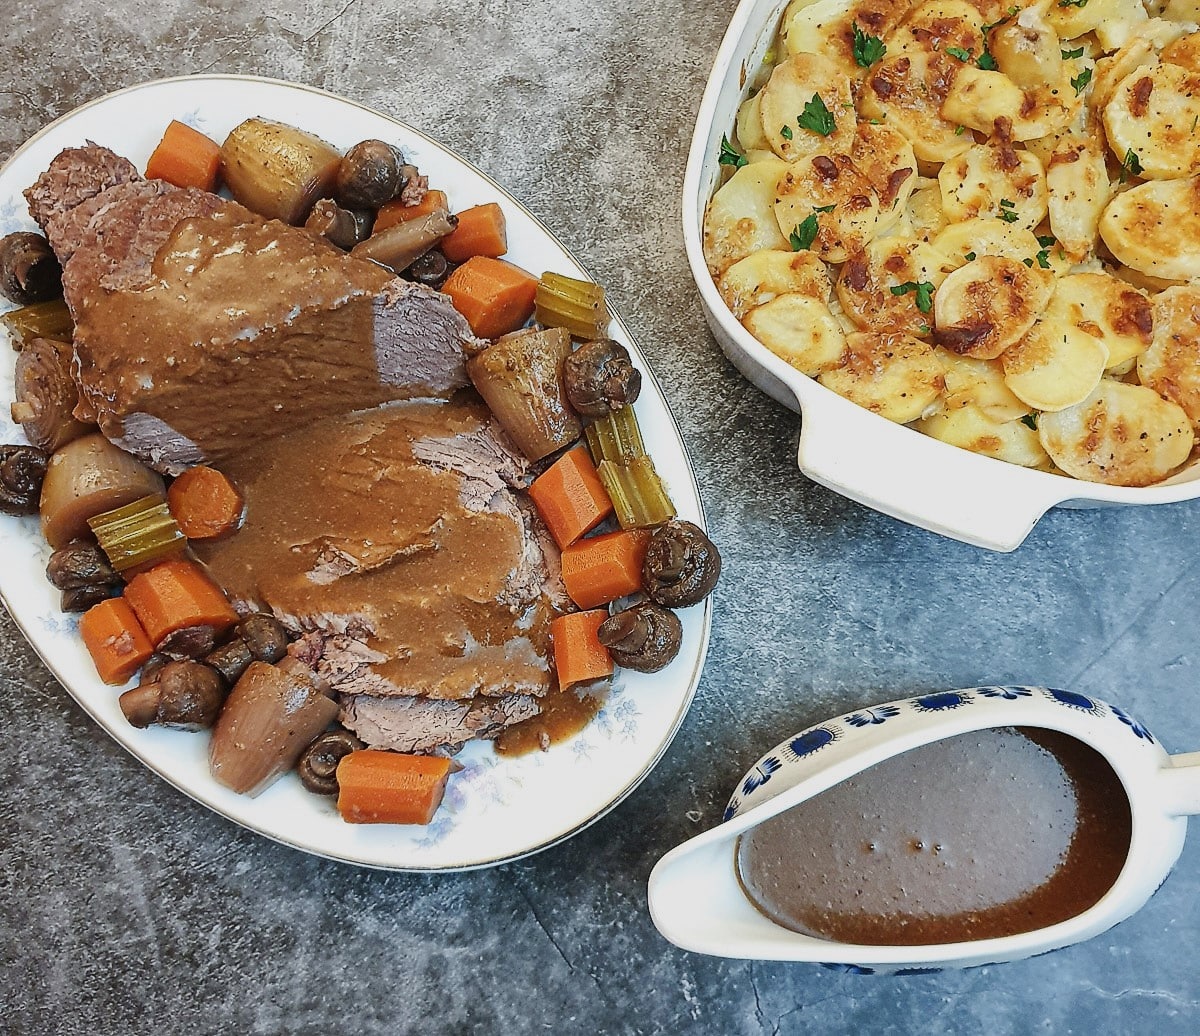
(75, 175)
(393, 543)
(428, 726)
(201, 329)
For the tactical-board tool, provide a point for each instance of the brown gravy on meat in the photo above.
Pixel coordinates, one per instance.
(982, 835)
(343, 519)
(564, 713)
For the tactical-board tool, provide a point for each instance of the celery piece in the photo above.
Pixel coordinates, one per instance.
(637, 493)
(138, 533)
(41, 320)
(612, 477)
(574, 305)
(617, 437)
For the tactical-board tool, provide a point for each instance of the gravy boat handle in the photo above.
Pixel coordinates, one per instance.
(1179, 785)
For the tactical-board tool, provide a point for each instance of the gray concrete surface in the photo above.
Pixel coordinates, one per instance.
(125, 908)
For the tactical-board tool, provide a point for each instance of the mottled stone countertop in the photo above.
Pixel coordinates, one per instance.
(125, 907)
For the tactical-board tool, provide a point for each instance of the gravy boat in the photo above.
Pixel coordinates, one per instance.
(697, 902)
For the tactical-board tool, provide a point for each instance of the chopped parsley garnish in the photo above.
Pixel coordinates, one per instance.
(987, 62)
(959, 130)
(1005, 203)
(1081, 81)
(970, 257)
(825, 208)
(1043, 258)
(1008, 211)
(729, 156)
(985, 29)
(1028, 262)
(1072, 3)
(1071, 55)
(1194, 122)
(804, 233)
(817, 117)
(924, 292)
(1045, 240)
(786, 132)
(1030, 421)
(867, 49)
(959, 52)
(1131, 165)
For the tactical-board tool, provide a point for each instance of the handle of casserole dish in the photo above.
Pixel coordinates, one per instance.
(916, 478)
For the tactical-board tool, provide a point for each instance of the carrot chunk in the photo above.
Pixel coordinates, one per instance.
(115, 639)
(177, 595)
(602, 568)
(480, 231)
(389, 788)
(397, 212)
(186, 158)
(578, 653)
(204, 503)
(495, 297)
(570, 497)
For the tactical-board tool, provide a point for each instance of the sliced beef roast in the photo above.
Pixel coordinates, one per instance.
(202, 329)
(392, 541)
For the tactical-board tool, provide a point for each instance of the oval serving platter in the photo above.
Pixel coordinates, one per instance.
(496, 809)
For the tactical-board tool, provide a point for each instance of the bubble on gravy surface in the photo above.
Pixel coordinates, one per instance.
(978, 836)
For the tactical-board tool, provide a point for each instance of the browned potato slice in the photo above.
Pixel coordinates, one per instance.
(1171, 366)
(277, 170)
(972, 429)
(757, 279)
(799, 330)
(978, 97)
(959, 243)
(1153, 114)
(1027, 49)
(1155, 228)
(979, 384)
(826, 27)
(741, 216)
(1078, 190)
(1184, 52)
(885, 157)
(806, 83)
(1122, 435)
(987, 305)
(1107, 309)
(832, 190)
(907, 92)
(994, 180)
(1054, 366)
(894, 375)
(865, 285)
(936, 25)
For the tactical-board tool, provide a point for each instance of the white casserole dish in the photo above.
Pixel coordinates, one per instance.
(891, 468)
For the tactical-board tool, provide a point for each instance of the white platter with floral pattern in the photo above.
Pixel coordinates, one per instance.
(497, 808)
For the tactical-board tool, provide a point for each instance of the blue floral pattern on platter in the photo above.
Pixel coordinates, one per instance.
(810, 741)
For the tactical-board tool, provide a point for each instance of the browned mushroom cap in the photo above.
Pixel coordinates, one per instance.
(645, 637)
(230, 660)
(369, 175)
(265, 637)
(682, 564)
(318, 765)
(599, 377)
(188, 695)
(22, 469)
(29, 270)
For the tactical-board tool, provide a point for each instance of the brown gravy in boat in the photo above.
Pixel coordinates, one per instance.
(982, 835)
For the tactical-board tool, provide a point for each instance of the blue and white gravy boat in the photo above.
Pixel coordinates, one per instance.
(698, 903)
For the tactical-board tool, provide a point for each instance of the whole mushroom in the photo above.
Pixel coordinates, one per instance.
(599, 377)
(22, 469)
(645, 637)
(318, 765)
(682, 564)
(188, 695)
(369, 175)
(29, 269)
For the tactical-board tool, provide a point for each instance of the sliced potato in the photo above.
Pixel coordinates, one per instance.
(825, 27)
(1171, 366)
(1122, 435)
(864, 287)
(749, 125)
(1027, 49)
(923, 216)
(1071, 20)
(978, 97)
(757, 279)
(800, 330)
(1182, 10)
(994, 180)
(972, 429)
(1158, 31)
(1184, 52)
(831, 189)
(1054, 366)
(894, 375)
(959, 242)
(1112, 69)
(907, 93)
(987, 305)
(885, 157)
(741, 215)
(1078, 190)
(1107, 309)
(799, 83)
(937, 24)
(1155, 228)
(979, 384)
(1144, 281)
(1154, 114)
